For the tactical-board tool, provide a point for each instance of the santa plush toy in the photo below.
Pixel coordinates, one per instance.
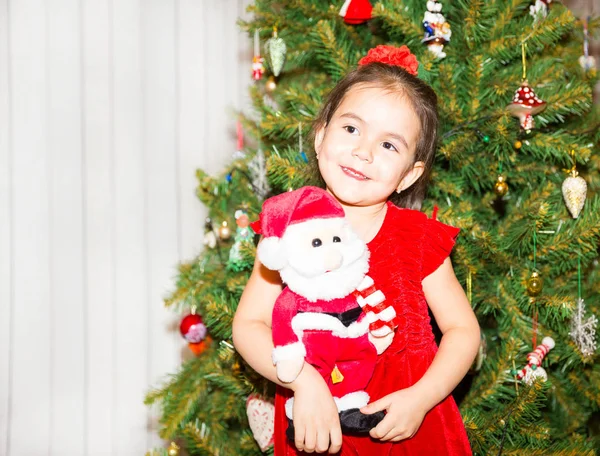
(330, 314)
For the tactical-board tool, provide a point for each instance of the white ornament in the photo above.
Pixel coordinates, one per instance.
(539, 10)
(258, 170)
(574, 190)
(587, 62)
(532, 374)
(583, 331)
(261, 417)
(210, 239)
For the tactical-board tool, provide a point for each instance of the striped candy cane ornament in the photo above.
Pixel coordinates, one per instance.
(533, 370)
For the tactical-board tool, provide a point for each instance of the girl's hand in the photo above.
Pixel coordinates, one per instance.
(405, 410)
(316, 419)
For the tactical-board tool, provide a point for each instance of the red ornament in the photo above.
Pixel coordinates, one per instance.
(193, 329)
(390, 55)
(356, 11)
(525, 105)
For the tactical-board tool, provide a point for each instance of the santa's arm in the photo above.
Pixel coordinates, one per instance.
(286, 342)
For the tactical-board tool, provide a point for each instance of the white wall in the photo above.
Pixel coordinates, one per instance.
(107, 107)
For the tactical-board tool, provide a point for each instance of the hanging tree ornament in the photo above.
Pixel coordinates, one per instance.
(501, 187)
(239, 153)
(539, 10)
(258, 171)
(276, 49)
(243, 234)
(194, 331)
(261, 418)
(173, 449)
(535, 284)
(526, 103)
(574, 189)
(224, 231)
(533, 368)
(356, 11)
(258, 68)
(210, 238)
(587, 61)
(583, 331)
(437, 29)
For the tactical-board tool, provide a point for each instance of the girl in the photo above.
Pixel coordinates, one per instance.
(375, 143)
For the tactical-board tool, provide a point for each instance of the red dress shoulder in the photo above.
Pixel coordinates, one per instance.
(408, 247)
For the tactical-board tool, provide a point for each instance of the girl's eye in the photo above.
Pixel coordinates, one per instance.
(350, 129)
(389, 146)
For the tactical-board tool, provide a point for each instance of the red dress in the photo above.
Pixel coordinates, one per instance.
(408, 247)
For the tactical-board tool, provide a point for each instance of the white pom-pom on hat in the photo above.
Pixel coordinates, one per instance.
(549, 341)
(272, 254)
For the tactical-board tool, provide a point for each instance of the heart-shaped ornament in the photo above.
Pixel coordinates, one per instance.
(261, 416)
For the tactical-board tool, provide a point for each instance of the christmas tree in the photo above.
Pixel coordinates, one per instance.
(518, 145)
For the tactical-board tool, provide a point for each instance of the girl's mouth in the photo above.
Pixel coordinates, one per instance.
(354, 174)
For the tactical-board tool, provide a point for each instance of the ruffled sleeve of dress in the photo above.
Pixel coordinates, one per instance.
(438, 241)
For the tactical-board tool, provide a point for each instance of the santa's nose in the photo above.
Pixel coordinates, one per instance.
(332, 260)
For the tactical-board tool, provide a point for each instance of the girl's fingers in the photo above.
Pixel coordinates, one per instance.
(399, 438)
(310, 439)
(382, 428)
(322, 441)
(391, 435)
(336, 440)
(299, 433)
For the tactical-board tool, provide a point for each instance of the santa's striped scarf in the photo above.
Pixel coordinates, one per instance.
(381, 316)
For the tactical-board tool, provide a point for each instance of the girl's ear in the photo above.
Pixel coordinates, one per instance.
(411, 176)
(320, 134)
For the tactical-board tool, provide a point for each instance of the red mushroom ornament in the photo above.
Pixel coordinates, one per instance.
(525, 105)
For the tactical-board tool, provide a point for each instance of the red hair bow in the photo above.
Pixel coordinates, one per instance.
(390, 55)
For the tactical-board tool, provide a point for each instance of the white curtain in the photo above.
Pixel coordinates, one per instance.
(107, 107)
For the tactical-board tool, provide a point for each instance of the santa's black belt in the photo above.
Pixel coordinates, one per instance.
(347, 318)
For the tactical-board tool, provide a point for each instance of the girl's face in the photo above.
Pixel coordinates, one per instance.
(367, 150)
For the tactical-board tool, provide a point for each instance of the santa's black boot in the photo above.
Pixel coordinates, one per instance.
(354, 422)
(289, 432)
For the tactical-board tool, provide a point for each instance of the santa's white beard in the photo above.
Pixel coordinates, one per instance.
(328, 285)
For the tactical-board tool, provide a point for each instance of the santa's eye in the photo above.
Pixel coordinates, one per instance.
(336, 239)
(316, 242)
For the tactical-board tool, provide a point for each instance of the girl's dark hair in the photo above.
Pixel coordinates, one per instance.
(423, 100)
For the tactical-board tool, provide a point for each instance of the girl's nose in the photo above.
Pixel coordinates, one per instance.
(363, 153)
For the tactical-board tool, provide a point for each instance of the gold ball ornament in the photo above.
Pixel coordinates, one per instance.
(518, 144)
(535, 284)
(574, 189)
(270, 85)
(173, 449)
(224, 231)
(501, 187)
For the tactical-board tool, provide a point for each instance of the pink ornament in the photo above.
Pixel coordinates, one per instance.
(193, 329)
(261, 417)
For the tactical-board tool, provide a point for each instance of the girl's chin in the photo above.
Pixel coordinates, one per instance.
(349, 197)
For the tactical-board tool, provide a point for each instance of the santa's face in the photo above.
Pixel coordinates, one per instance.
(326, 259)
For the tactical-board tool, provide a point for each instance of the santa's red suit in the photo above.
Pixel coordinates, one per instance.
(332, 335)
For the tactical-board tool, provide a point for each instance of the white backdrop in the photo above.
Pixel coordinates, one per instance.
(107, 107)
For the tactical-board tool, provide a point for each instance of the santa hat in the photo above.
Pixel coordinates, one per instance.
(281, 211)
